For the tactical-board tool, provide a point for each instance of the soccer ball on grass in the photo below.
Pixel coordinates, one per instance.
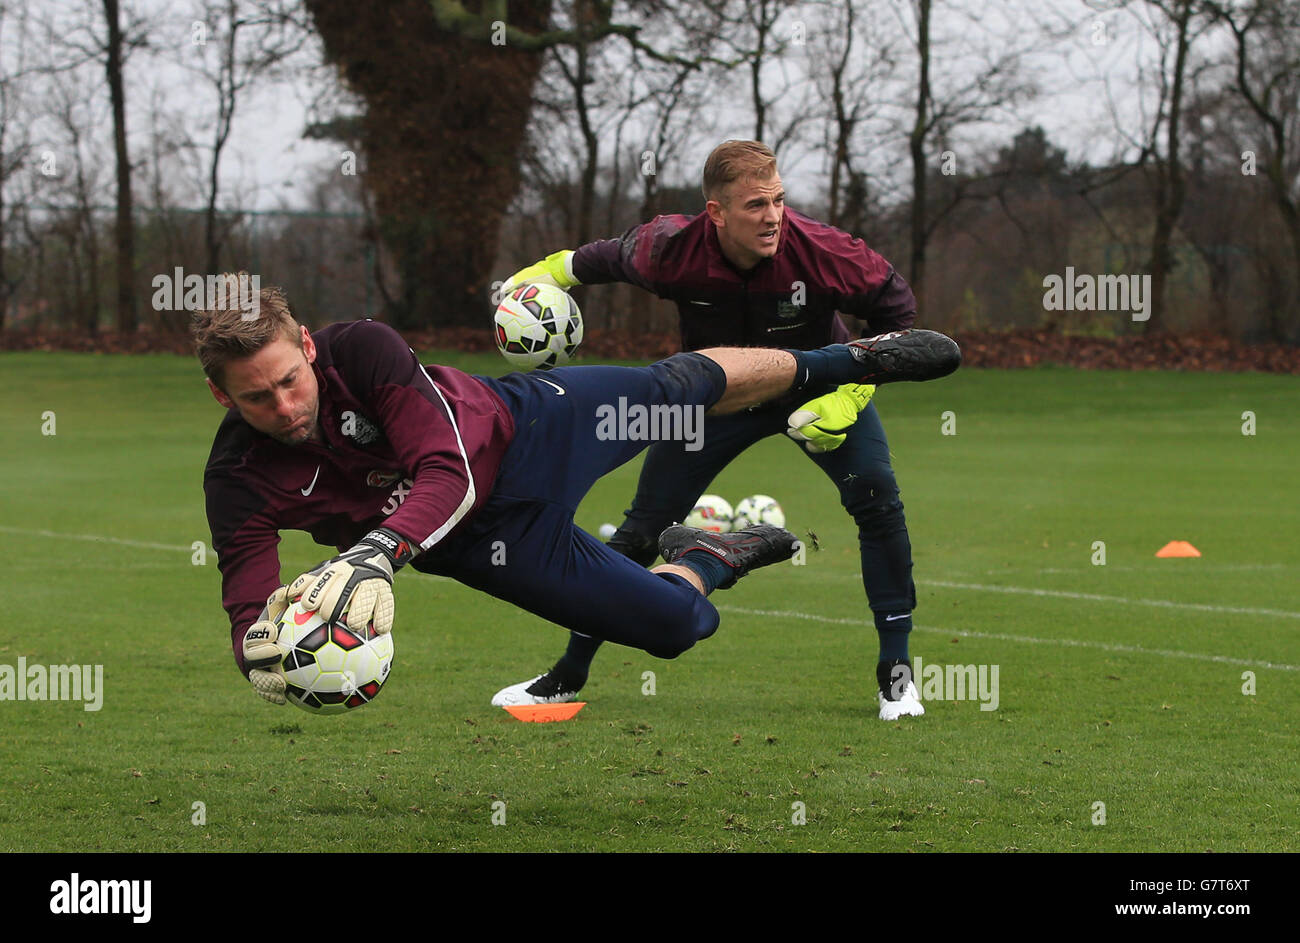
(711, 513)
(758, 509)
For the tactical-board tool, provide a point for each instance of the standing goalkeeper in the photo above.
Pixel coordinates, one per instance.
(749, 272)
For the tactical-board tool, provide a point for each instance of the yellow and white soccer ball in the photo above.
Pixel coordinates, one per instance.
(758, 509)
(711, 513)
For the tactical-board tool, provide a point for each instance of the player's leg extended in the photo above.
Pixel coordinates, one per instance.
(862, 472)
(574, 425)
(671, 479)
(529, 553)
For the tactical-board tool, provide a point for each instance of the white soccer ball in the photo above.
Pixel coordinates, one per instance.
(710, 513)
(330, 669)
(607, 531)
(537, 327)
(758, 509)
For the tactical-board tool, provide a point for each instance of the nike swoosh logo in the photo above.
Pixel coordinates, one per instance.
(892, 618)
(555, 386)
(306, 492)
(707, 304)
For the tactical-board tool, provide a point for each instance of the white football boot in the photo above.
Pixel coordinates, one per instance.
(909, 705)
(543, 689)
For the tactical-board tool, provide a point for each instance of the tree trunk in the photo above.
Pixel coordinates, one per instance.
(916, 277)
(445, 118)
(1171, 189)
(4, 275)
(1283, 326)
(587, 195)
(125, 229)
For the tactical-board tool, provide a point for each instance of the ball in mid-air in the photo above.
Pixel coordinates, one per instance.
(607, 531)
(537, 327)
(758, 509)
(330, 669)
(711, 513)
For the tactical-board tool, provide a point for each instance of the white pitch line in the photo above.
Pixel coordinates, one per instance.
(1002, 637)
(95, 538)
(981, 587)
(144, 544)
(1094, 597)
(1210, 567)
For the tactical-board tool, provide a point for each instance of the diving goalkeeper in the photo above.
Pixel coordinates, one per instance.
(344, 434)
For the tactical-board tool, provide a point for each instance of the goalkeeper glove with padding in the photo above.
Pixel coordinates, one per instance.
(357, 585)
(262, 652)
(822, 424)
(556, 269)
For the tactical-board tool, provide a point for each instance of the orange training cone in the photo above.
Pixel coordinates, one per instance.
(1178, 548)
(545, 713)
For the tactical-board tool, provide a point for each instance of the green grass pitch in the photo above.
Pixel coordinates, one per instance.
(1124, 720)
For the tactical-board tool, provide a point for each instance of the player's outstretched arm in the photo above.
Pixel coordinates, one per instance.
(357, 585)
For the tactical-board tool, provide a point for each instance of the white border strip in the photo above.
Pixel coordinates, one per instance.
(1067, 642)
(25, 532)
(1094, 597)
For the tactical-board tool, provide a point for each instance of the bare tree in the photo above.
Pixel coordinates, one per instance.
(579, 64)
(1267, 79)
(981, 75)
(252, 40)
(73, 111)
(14, 135)
(851, 67)
(1173, 27)
(672, 115)
(750, 30)
(114, 55)
(107, 44)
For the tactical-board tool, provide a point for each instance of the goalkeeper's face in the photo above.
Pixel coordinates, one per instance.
(748, 220)
(275, 390)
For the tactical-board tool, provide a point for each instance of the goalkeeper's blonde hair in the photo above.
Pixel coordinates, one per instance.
(234, 326)
(736, 160)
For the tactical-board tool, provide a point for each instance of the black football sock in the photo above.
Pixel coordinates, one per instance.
(710, 569)
(891, 682)
(575, 663)
(894, 629)
(828, 366)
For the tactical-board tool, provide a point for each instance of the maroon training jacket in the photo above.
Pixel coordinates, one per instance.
(789, 300)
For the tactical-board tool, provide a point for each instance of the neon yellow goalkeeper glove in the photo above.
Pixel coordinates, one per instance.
(822, 424)
(262, 652)
(556, 269)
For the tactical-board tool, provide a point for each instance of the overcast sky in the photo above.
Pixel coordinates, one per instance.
(268, 164)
